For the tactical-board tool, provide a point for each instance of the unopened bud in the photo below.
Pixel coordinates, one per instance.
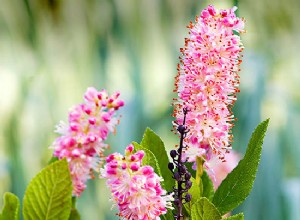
(182, 169)
(176, 202)
(188, 197)
(173, 153)
(181, 129)
(188, 184)
(177, 176)
(188, 176)
(171, 166)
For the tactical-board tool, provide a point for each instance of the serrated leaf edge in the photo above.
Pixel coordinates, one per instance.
(50, 166)
(210, 203)
(262, 124)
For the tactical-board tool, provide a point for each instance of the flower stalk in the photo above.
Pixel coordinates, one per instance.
(180, 172)
(199, 169)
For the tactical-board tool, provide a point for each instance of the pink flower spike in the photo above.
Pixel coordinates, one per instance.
(207, 82)
(82, 140)
(136, 189)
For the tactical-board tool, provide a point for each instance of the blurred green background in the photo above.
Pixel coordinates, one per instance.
(52, 50)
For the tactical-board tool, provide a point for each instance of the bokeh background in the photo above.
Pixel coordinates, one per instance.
(52, 50)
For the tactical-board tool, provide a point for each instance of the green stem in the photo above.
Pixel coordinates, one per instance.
(199, 170)
(74, 198)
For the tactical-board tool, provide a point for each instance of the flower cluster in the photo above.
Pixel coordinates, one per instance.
(82, 139)
(207, 82)
(135, 188)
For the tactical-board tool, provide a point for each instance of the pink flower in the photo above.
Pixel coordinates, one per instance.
(82, 140)
(136, 189)
(207, 82)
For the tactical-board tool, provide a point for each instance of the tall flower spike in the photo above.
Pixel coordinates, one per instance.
(82, 140)
(136, 189)
(207, 82)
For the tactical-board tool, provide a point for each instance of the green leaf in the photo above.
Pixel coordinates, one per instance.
(204, 210)
(208, 187)
(204, 189)
(152, 142)
(238, 184)
(168, 216)
(239, 216)
(11, 209)
(48, 195)
(52, 160)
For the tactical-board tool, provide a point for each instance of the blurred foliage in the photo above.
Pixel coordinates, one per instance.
(52, 50)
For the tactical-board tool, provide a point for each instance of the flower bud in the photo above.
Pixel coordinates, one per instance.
(177, 176)
(188, 197)
(181, 129)
(171, 166)
(176, 202)
(187, 176)
(182, 169)
(173, 153)
(188, 184)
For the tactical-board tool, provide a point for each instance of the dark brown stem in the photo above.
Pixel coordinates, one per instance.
(180, 193)
(180, 174)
